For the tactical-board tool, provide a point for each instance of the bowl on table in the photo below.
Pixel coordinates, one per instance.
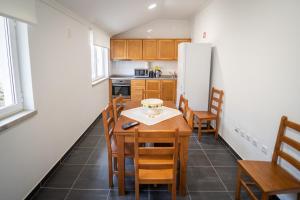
(152, 107)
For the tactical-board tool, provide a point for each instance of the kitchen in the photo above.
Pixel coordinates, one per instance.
(149, 99)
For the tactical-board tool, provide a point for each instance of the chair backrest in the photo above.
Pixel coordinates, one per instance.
(151, 94)
(166, 137)
(183, 104)
(109, 125)
(216, 100)
(189, 117)
(118, 106)
(282, 138)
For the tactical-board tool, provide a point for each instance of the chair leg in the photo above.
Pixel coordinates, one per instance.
(110, 171)
(238, 184)
(298, 196)
(137, 190)
(169, 187)
(174, 191)
(199, 129)
(264, 196)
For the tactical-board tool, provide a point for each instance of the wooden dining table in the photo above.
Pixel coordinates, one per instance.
(127, 136)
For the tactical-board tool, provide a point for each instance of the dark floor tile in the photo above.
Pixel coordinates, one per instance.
(88, 141)
(165, 195)
(221, 158)
(203, 179)
(88, 195)
(197, 158)
(64, 176)
(78, 156)
(98, 129)
(228, 175)
(99, 157)
(210, 196)
(50, 194)
(130, 195)
(194, 143)
(209, 142)
(93, 177)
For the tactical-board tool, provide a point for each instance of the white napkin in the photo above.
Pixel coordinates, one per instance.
(138, 114)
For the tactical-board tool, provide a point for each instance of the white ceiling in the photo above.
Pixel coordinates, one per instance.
(117, 16)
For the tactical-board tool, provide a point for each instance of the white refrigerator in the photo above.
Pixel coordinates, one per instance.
(193, 74)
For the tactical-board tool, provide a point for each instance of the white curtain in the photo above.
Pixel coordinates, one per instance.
(23, 10)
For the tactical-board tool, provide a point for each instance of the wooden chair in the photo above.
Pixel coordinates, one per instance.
(189, 117)
(270, 176)
(151, 94)
(155, 165)
(112, 151)
(183, 104)
(118, 106)
(213, 114)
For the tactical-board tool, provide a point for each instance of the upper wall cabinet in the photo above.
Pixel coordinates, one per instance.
(177, 42)
(135, 49)
(149, 49)
(166, 49)
(118, 49)
(145, 49)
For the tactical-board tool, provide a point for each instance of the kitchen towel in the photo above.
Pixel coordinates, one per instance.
(138, 114)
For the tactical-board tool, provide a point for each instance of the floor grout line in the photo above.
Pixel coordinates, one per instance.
(215, 170)
(72, 186)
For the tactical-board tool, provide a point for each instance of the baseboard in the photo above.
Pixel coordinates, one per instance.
(36, 188)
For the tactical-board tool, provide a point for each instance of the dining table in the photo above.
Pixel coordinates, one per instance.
(127, 136)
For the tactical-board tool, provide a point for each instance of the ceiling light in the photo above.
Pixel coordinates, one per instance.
(151, 6)
(149, 30)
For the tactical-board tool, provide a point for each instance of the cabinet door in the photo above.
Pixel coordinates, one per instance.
(177, 42)
(118, 49)
(137, 88)
(153, 89)
(168, 90)
(149, 49)
(166, 49)
(135, 49)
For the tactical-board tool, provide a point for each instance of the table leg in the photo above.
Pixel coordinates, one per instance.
(121, 164)
(183, 157)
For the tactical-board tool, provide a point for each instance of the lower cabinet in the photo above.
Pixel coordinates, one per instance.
(163, 89)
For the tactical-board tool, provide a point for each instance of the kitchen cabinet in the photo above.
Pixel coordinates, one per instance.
(137, 88)
(149, 49)
(168, 90)
(118, 49)
(134, 49)
(166, 49)
(153, 88)
(177, 42)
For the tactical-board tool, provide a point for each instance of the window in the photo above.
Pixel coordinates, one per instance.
(100, 63)
(10, 90)
(100, 60)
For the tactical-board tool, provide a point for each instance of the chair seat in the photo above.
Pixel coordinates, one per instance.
(128, 149)
(149, 176)
(205, 115)
(270, 177)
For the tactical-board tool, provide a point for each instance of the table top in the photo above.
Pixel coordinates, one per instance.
(169, 124)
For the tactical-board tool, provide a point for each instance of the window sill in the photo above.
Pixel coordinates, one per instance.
(96, 82)
(16, 119)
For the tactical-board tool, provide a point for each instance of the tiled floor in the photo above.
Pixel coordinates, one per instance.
(83, 174)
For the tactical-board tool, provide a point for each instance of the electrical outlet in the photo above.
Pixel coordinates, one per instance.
(248, 138)
(243, 133)
(236, 130)
(264, 149)
(254, 142)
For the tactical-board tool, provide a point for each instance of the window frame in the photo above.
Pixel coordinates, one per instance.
(18, 106)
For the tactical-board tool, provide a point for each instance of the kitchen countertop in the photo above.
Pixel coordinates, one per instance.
(163, 77)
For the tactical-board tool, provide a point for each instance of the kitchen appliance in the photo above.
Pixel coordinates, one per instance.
(120, 87)
(141, 73)
(193, 79)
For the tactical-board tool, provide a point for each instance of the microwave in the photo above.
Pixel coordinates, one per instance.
(141, 72)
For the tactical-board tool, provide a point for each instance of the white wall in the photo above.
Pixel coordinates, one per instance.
(161, 28)
(256, 62)
(65, 99)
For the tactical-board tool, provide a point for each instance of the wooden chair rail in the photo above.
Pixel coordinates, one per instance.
(156, 150)
(291, 142)
(289, 159)
(293, 126)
